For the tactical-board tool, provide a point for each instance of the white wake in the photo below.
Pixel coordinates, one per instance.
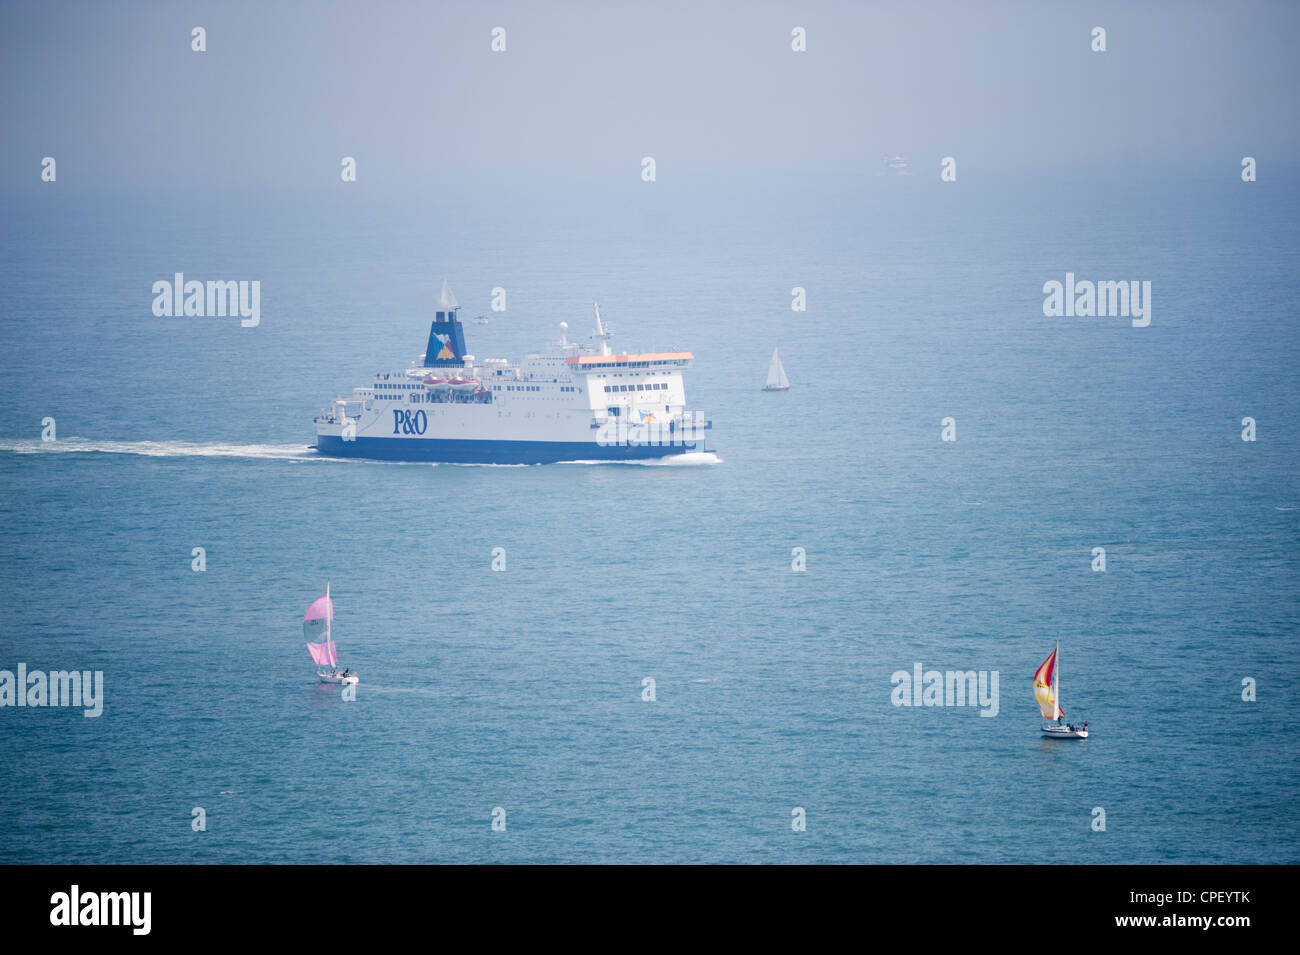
(690, 459)
(164, 449)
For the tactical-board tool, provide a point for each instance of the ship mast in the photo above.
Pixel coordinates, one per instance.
(602, 334)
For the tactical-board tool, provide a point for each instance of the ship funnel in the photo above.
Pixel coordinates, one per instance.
(446, 345)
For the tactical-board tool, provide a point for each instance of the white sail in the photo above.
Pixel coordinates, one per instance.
(776, 379)
(446, 299)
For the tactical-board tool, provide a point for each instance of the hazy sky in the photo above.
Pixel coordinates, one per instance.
(414, 92)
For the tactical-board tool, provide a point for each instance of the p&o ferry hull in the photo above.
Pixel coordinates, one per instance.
(470, 451)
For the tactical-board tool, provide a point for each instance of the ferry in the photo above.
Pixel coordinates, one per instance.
(574, 402)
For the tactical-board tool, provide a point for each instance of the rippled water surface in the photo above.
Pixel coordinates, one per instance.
(523, 689)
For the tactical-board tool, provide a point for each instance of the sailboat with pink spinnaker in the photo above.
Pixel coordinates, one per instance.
(316, 623)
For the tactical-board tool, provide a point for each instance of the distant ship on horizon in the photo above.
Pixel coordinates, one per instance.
(572, 403)
(897, 165)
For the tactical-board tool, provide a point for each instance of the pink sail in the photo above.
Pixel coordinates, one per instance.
(324, 654)
(321, 609)
(316, 628)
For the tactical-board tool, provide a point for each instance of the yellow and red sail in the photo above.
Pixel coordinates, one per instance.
(1045, 688)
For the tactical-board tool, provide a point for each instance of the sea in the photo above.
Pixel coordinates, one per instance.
(679, 662)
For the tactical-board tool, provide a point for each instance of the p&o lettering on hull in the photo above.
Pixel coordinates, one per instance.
(404, 422)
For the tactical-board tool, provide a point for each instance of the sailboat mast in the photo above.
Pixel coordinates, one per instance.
(1056, 678)
(329, 625)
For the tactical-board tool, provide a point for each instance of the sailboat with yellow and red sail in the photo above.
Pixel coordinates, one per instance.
(1047, 690)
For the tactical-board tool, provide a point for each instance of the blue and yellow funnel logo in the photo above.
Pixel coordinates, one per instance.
(446, 351)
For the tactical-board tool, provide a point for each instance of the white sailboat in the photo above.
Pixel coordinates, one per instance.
(776, 379)
(320, 644)
(1047, 691)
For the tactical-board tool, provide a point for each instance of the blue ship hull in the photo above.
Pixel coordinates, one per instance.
(463, 451)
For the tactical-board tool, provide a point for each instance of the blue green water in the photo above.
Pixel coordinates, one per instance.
(522, 689)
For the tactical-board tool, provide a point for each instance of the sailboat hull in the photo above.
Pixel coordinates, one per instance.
(337, 678)
(775, 388)
(1063, 732)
